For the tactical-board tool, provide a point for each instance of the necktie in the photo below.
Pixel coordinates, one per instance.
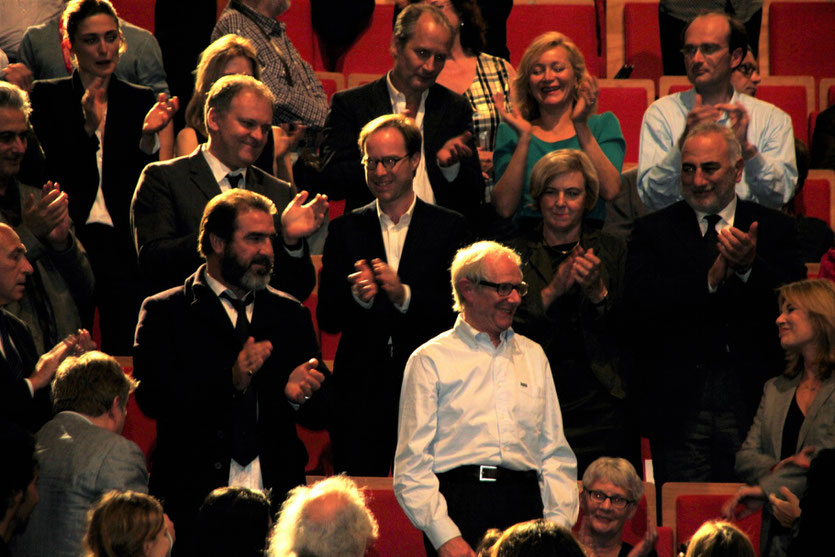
(234, 179)
(245, 420)
(710, 239)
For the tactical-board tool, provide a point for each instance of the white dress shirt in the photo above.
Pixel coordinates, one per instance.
(466, 402)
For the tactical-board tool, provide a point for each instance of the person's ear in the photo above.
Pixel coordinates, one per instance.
(736, 57)
(212, 117)
(466, 288)
(218, 244)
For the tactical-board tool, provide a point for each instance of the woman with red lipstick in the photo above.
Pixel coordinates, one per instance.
(575, 275)
(611, 492)
(554, 102)
(98, 133)
(796, 416)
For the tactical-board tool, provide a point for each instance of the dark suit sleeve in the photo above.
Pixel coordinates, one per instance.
(823, 140)
(335, 303)
(166, 255)
(342, 175)
(16, 400)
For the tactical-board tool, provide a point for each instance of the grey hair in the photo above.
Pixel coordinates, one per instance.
(709, 127)
(406, 23)
(617, 471)
(472, 262)
(12, 96)
(346, 531)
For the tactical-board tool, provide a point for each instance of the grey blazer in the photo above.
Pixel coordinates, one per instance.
(79, 462)
(761, 450)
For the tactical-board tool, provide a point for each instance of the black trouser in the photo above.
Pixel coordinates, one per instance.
(476, 506)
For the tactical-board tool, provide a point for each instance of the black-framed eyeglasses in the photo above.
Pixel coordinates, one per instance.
(618, 502)
(746, 69)
(505, 288)
(707, 49)
(388, 162)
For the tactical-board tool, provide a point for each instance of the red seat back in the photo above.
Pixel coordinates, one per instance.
(792, 100)
(371, 53)
(629, 105)
(577, 21)
(642, 40)
(694, 510)
(795, 28)
(300, 29)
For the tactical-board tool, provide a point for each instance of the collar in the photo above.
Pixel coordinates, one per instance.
(71, 413)
(398, 99)
(218, 288)
(385, 220)
(726, 214)
(268, 25)
(219, 170)
(474, 337)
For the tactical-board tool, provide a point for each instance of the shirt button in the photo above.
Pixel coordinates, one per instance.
(218, 466)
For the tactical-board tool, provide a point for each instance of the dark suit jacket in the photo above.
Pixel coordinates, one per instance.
(71, 154)
(447, 115)
(16, 402)
(165, 218)
(184, 352)
(434, 235)
(823, 140)
(680, 330)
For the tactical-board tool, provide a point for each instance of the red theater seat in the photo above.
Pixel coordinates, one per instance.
(139, 428)
(371, 53)
(817, 198)
(332, 82)
(628, 99)
(578, 21)
(300, 29)
(138, 12)
(795, 28)
(641, 40)
(686, 506)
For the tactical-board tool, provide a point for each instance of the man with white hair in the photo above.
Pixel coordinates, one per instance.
(480, 440)
(327, 518)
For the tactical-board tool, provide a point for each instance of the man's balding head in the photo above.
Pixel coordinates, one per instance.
(14, 267)
(713, 45)
(327, 518)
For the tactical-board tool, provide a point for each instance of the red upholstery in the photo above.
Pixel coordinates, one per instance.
(371, 54)
(641, 40)
(138, 12)
(677, 88)
(397, 535)
(139, 428)
(300, 29)
(815, 199)
(801, 27)
(792, 99)
(577, 21)
(629, 105)
(319, 455)
(693, 510)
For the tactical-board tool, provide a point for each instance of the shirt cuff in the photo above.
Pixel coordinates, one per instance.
(31, 388)
(442, 531)
(450, 172)
(298, 252)
(745, 276)
(357, 299)
(155, 148)
(407, 297)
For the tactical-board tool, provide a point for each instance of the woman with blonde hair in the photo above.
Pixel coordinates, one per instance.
(128, 524)
(795, 417)
(554, 100)
(719, 539)
(232, 54)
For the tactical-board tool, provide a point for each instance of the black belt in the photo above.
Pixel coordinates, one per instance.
(476, 473)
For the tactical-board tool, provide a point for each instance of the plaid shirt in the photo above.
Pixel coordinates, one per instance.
(299, 94)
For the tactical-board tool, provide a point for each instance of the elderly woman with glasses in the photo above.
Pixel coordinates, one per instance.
(611, 492)
(575, 274)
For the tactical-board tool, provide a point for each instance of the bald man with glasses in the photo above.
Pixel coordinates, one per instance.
(715, 44)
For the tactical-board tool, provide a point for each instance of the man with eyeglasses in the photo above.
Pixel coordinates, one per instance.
(480, 439)
(746, 77)
(449, 172)
(714, 44)
(385, 287)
